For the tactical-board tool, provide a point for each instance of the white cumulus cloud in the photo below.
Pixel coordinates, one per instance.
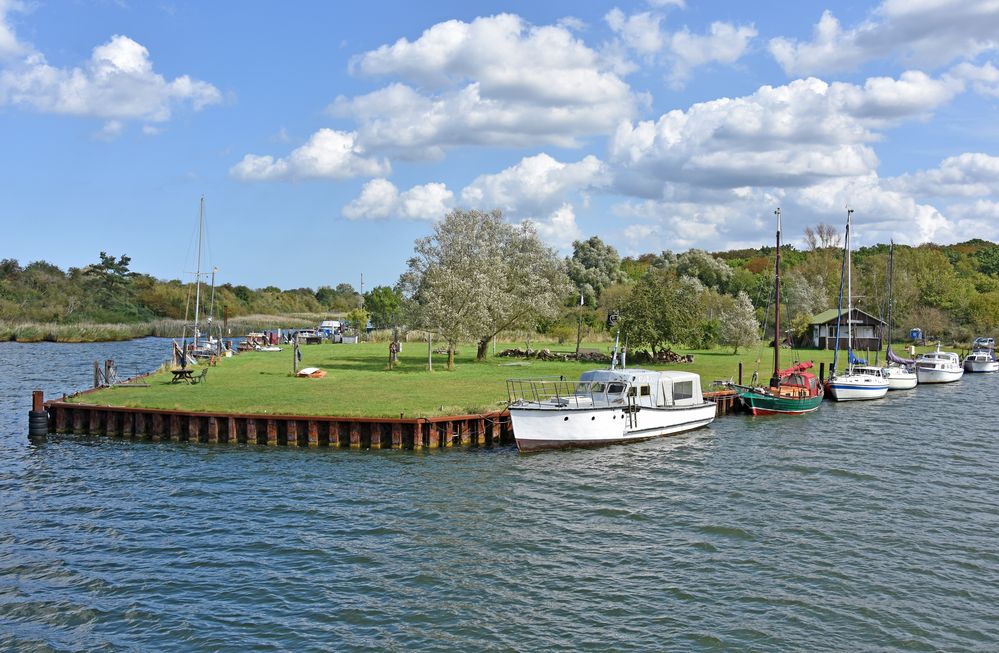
(380, 199)
(9, 45)
(328, 154)
(559, 228)
(724, 43)
(536, 185)
(117, 83)
(972, 174)
(493, 81)
(920, 32)
(792, 135)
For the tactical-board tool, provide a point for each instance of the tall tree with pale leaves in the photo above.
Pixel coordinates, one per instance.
(739, 326)
(477, 275)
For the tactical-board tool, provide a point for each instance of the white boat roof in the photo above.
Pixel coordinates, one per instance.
(633, 374)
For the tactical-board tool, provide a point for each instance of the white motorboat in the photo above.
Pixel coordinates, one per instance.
(981, 360)
(900, 377)
(860, 381)
(939, 367)
(605, 407)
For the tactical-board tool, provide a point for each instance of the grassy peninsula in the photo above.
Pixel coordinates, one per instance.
(359, 383)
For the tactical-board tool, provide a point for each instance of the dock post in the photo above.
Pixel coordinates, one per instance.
(740, 372)
(822, 372)
(38, 419)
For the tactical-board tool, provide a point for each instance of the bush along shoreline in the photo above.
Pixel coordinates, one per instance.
(94, 332)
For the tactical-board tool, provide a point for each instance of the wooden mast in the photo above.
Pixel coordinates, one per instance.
(777, 337)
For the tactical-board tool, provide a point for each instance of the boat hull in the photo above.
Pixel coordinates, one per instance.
(938, 375)
(537, 428)
(981, 366)
(850, 390)
(761, 404)
(899, 379)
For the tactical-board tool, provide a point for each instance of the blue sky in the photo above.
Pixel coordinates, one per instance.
(326, 137)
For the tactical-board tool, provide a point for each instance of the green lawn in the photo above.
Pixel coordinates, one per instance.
(358, 382)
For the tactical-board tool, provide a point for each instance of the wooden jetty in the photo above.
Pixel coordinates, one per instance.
(485, 429)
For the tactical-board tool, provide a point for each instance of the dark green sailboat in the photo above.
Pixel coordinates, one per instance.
(792, 391)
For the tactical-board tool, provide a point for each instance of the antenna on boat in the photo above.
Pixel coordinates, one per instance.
(617, 339)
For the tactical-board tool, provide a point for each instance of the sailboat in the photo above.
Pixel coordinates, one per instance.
(202, 346)
(792, 391)
(899, 371)
(860, 381)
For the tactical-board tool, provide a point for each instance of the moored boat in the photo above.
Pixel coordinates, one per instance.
(604, 407)
(981, 360)
(792, 391)
(899, 372)
(860, 382)
(939, 367)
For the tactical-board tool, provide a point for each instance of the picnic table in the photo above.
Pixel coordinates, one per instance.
(182, 376)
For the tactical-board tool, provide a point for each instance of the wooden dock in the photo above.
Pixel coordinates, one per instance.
(486, 429)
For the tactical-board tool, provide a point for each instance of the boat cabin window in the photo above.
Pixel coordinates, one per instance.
(582, 388)
(645, 391)
(597, 388)
(683, 390)
(632, 391)
(615, 388)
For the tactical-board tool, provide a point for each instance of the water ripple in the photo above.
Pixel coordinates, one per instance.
(859, 527)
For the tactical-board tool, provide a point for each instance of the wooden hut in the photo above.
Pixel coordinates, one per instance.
(867, 330)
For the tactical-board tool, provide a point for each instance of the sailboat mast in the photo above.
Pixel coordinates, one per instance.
(777, 337)
(849, 290)
(197, 275)
(891, 290)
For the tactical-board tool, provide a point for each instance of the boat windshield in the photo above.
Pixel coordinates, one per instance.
(615, 388)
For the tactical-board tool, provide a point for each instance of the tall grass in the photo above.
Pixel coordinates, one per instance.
(165, 328)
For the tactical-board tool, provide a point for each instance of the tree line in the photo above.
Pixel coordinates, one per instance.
(477, 275)
(108, 291)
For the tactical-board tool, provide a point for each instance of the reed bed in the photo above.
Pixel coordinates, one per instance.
(165, 328)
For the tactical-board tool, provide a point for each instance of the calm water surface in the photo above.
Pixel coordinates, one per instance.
(871, 526)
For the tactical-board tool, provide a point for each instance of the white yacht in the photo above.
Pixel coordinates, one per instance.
(981, 360)
(860, 381)
(939, 367)
(605, 407)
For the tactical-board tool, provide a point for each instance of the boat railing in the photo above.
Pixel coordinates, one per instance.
(555, 391)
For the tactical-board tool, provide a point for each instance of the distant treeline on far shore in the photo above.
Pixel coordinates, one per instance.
(947, 290)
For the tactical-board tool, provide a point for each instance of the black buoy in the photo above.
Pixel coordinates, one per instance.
(38, 418)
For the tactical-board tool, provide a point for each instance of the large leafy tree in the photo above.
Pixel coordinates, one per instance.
(738, 324)
(594, 266)
(663, 309)
(477, 275)
(385, 306)
(712, 272)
